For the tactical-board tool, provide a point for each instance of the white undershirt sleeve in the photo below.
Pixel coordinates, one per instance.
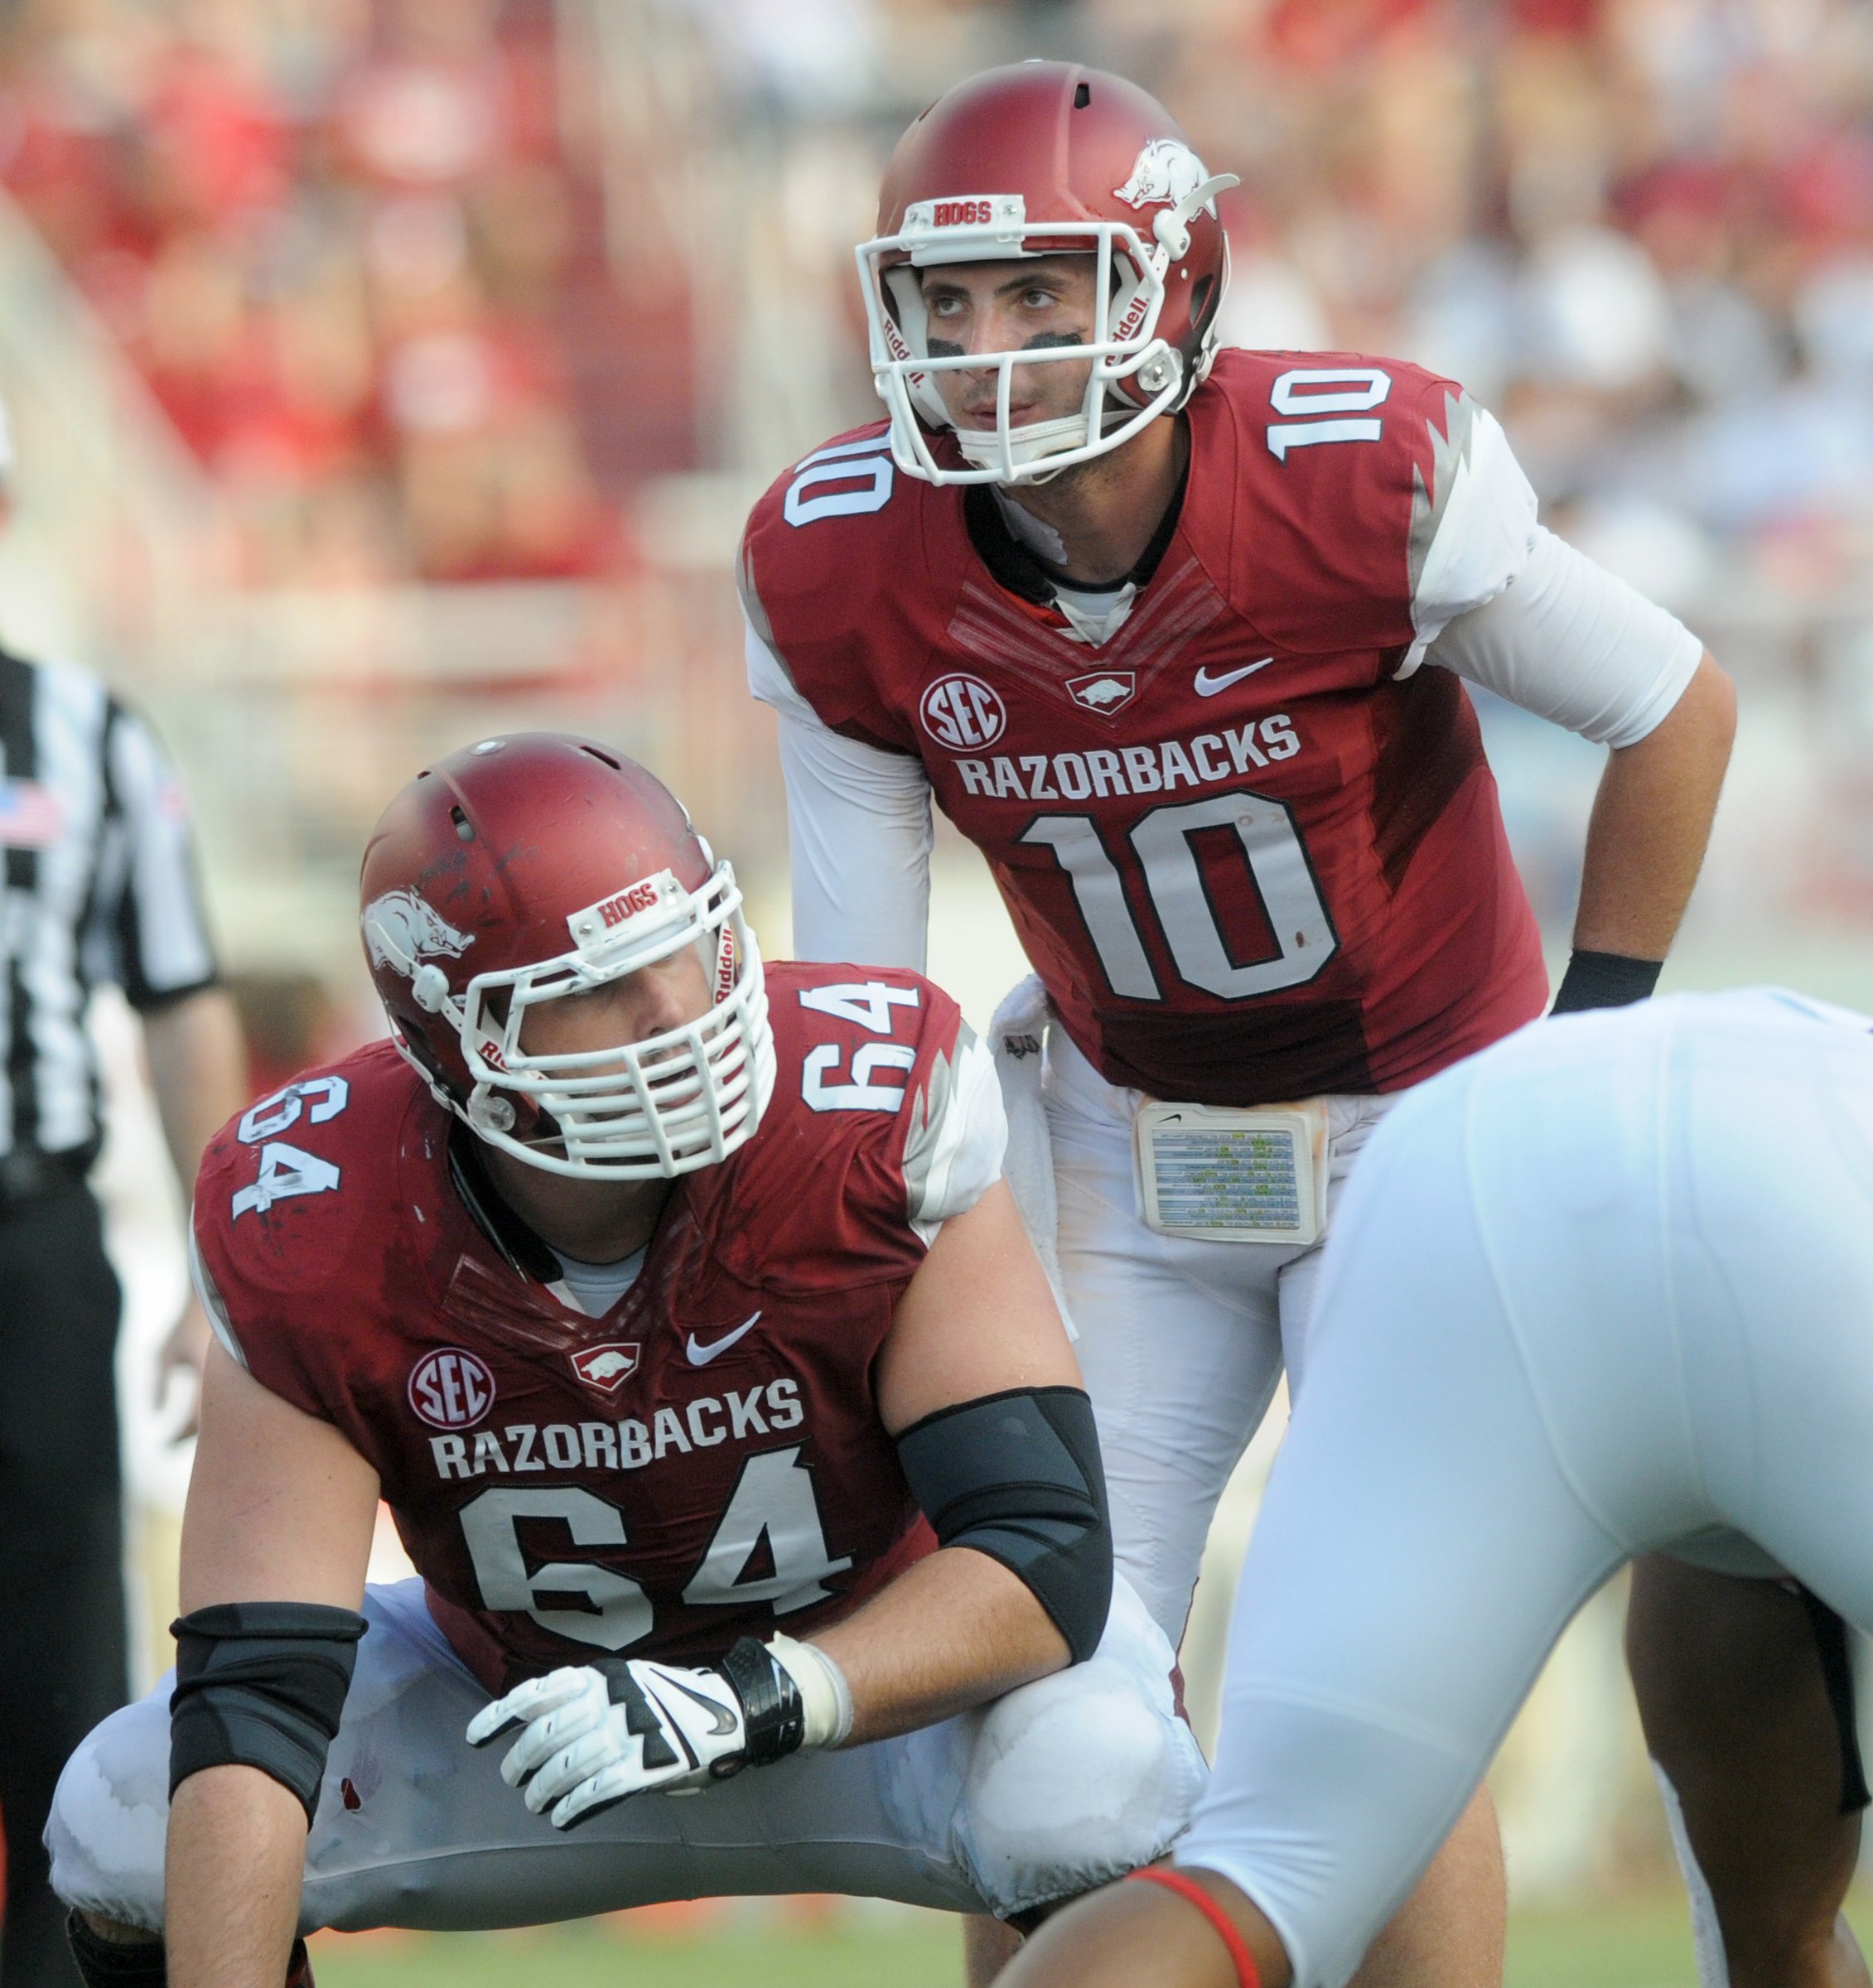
(1572, 643)
(858, 820)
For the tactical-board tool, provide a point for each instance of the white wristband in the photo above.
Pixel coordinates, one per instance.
(825, 1696)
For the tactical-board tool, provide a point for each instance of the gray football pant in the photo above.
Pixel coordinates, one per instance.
(1056, 1788)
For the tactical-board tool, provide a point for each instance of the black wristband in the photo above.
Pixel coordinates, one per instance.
(770, 1702)
(1604, 980)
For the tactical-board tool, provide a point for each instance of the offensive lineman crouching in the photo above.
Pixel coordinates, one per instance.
(721, 1403)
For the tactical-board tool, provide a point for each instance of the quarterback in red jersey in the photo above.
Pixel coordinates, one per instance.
(1175, 638)
(679, 1311)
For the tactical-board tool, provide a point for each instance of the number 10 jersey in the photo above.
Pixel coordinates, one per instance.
(1253, 850)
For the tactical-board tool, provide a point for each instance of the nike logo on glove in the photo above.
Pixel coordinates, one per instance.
(1207, 686)
(700, 1354)
(724, 1719)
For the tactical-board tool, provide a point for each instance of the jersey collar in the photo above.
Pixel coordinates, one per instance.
(516, 1244)
(1016, 569)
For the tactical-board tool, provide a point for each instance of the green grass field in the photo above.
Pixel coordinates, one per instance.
(1642, 1943)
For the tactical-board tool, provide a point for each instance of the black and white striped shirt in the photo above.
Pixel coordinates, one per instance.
(100, 885)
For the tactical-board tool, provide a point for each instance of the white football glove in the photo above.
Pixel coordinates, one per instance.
(596, 1734)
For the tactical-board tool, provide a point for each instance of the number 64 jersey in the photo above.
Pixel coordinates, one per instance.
(704, 1461)
(1252, 848)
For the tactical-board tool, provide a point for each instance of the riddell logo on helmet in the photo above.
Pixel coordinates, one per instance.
(963, 713)
(1132, 322)
(627, 904)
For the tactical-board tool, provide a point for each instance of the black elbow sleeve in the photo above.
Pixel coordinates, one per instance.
(261, 1684)
(1017, 1476)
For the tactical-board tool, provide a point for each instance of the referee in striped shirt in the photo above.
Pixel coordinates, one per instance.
(99, 885)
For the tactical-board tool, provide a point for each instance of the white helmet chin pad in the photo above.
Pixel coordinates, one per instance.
(669, 1104)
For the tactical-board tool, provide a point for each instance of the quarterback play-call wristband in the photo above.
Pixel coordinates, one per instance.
(1247, 1973)
(1604, 980)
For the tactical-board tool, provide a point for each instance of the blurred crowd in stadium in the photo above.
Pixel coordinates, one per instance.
(409, 285)
(441, 296)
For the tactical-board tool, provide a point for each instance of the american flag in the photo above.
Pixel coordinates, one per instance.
(29, 815)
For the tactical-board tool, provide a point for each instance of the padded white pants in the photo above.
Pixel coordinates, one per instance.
(1181, 1342)
(1605, 1289)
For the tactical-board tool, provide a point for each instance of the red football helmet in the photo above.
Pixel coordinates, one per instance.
(532, 866)
(1044, 158)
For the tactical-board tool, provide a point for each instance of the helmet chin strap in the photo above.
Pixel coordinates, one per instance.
(1172, 228)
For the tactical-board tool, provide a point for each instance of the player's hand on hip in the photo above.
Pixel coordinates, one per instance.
(595, 1736)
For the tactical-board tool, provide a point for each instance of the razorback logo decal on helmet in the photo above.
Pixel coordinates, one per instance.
(402, 930)
(1162, 174)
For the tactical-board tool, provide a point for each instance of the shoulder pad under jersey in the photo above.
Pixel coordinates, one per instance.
(843, 563)
(886, 1121)
(303, 1190)
(1346, 470)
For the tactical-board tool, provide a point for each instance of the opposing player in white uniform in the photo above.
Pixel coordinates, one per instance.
(1605, 1290)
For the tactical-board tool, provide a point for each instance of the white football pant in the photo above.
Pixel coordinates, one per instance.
(1182, 1342)
(1605, 1289)
(1056, 1788)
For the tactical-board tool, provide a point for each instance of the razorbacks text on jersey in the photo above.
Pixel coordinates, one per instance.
(703, 1462)
(1252, 850)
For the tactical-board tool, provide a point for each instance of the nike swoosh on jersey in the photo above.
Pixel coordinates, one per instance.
(700, 1355)
(1207, 686)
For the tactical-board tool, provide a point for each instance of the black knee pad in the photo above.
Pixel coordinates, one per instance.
(145, 1963)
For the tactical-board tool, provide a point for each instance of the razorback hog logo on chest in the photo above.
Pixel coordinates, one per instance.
(608, 1367)
(1105, 692)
